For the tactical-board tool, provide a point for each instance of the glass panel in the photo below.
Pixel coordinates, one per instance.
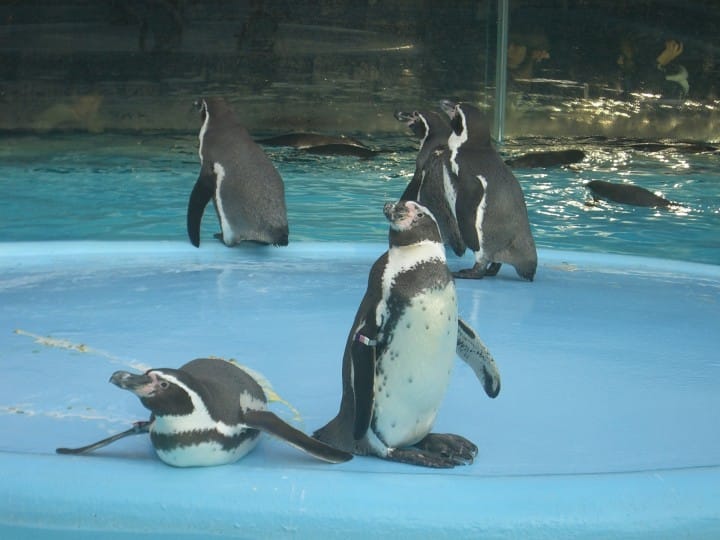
(617, 68)
(576, 67)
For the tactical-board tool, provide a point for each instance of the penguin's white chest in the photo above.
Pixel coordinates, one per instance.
(414, 370)
(182, 445)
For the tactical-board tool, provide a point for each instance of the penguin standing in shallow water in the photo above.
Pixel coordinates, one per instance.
(487, 198)
(207, 412)
(400, 351)
(247, 190)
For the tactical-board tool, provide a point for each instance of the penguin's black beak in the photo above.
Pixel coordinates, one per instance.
(403, 116)
(130, 381)
(200, 106)
(398, 211)
(448, 107)
(391, 210)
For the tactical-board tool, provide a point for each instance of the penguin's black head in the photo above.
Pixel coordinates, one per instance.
(467, 122)
(163, 391)
(457, 120)
(410, 223)
(415, 121)
(201, 106)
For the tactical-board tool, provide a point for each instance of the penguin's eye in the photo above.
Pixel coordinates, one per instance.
(164, 385)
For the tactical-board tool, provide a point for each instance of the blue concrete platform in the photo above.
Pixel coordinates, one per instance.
(606, 425)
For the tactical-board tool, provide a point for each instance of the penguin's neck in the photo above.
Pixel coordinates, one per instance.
(402, 258)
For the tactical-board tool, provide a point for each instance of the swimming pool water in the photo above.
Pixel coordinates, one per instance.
(604, 427)
(135, 187)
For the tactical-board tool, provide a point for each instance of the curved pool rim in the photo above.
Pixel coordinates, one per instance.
(278, 494)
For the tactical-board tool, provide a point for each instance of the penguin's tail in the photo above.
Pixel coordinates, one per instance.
(334, 435)
(282, 239)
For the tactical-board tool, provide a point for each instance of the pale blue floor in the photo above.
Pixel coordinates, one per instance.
(606, 426)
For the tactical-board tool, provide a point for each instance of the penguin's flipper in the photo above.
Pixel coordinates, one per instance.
(363, 353)
(137, 429)
(412, 190)
(199, 198)
(466, 207)
(474, 353)
(440, 195)
(270, 423)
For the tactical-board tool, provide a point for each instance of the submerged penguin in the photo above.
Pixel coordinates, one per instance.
(625, 194)
(487, 198)
(315, 143)
(400, 351)
(207, 412)
(550, 158)
(247, 190)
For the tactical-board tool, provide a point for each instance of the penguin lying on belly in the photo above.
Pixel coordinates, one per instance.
(207, 412)
(400, 351)
(246, 189)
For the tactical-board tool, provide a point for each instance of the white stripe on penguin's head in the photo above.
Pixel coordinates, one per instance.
(205, 116)
(200, 419)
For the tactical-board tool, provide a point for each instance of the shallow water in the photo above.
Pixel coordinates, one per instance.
(135, 187)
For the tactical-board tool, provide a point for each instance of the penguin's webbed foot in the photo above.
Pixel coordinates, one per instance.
(437, 450)
(479, 271)
(138, 428)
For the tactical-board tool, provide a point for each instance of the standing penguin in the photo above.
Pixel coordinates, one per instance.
(247, 190)
(207, 412)
(488, 200)
(399, 353)
(430, 183)
(431, 128)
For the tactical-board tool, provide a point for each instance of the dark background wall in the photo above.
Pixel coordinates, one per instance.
(329, 64)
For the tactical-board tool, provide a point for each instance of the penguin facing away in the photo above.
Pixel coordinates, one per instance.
(400, 350)
(488, 200)
(246, 189)
(208, 412)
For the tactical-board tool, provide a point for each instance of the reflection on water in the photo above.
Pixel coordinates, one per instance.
(124, 187)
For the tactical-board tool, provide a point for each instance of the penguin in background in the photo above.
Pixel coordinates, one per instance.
(400, 351)
(430, 127)
(428, 184)
(488, 201)
(246, 189)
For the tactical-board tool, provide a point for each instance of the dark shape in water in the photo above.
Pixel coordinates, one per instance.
(625, 194)
(321, 144)
(342, 150)
(553, 158)
(684, 148)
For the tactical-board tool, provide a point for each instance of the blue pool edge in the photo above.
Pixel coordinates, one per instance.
(44, 253)
(43, 495)
(86, 496)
